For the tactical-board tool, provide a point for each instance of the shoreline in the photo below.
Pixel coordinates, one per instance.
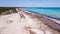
(23, 19)
(56, 19)
(47, 21)
(49, 17)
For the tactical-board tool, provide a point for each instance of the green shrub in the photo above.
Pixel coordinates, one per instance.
(7, 10)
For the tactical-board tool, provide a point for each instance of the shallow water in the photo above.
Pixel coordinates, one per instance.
(54, 12)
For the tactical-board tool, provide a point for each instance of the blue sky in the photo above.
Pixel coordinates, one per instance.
(29, 3)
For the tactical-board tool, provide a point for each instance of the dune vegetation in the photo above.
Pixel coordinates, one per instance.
(7, 10)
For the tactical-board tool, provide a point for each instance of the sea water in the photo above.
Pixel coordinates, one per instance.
(54, 12)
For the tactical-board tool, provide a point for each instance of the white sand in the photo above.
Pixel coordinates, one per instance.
(13, 24)
(13, 27)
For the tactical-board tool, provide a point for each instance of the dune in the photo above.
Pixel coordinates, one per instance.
(25, 22)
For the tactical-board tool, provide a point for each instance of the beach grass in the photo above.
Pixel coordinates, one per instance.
(7, 10)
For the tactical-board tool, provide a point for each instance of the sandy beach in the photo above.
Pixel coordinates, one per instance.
(27, 23)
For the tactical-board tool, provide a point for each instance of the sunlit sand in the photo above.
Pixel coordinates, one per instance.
(27, 23)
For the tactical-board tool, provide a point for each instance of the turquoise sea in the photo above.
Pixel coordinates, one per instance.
(54, 12)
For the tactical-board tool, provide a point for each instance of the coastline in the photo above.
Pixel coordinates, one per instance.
(50, 12)
(36, 17)
(52, 22)
(56, 19)
(25, 22)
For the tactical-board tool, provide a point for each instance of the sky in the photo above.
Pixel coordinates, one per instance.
(29, 3)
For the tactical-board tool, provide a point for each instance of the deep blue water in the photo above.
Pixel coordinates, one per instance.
(54, 12)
